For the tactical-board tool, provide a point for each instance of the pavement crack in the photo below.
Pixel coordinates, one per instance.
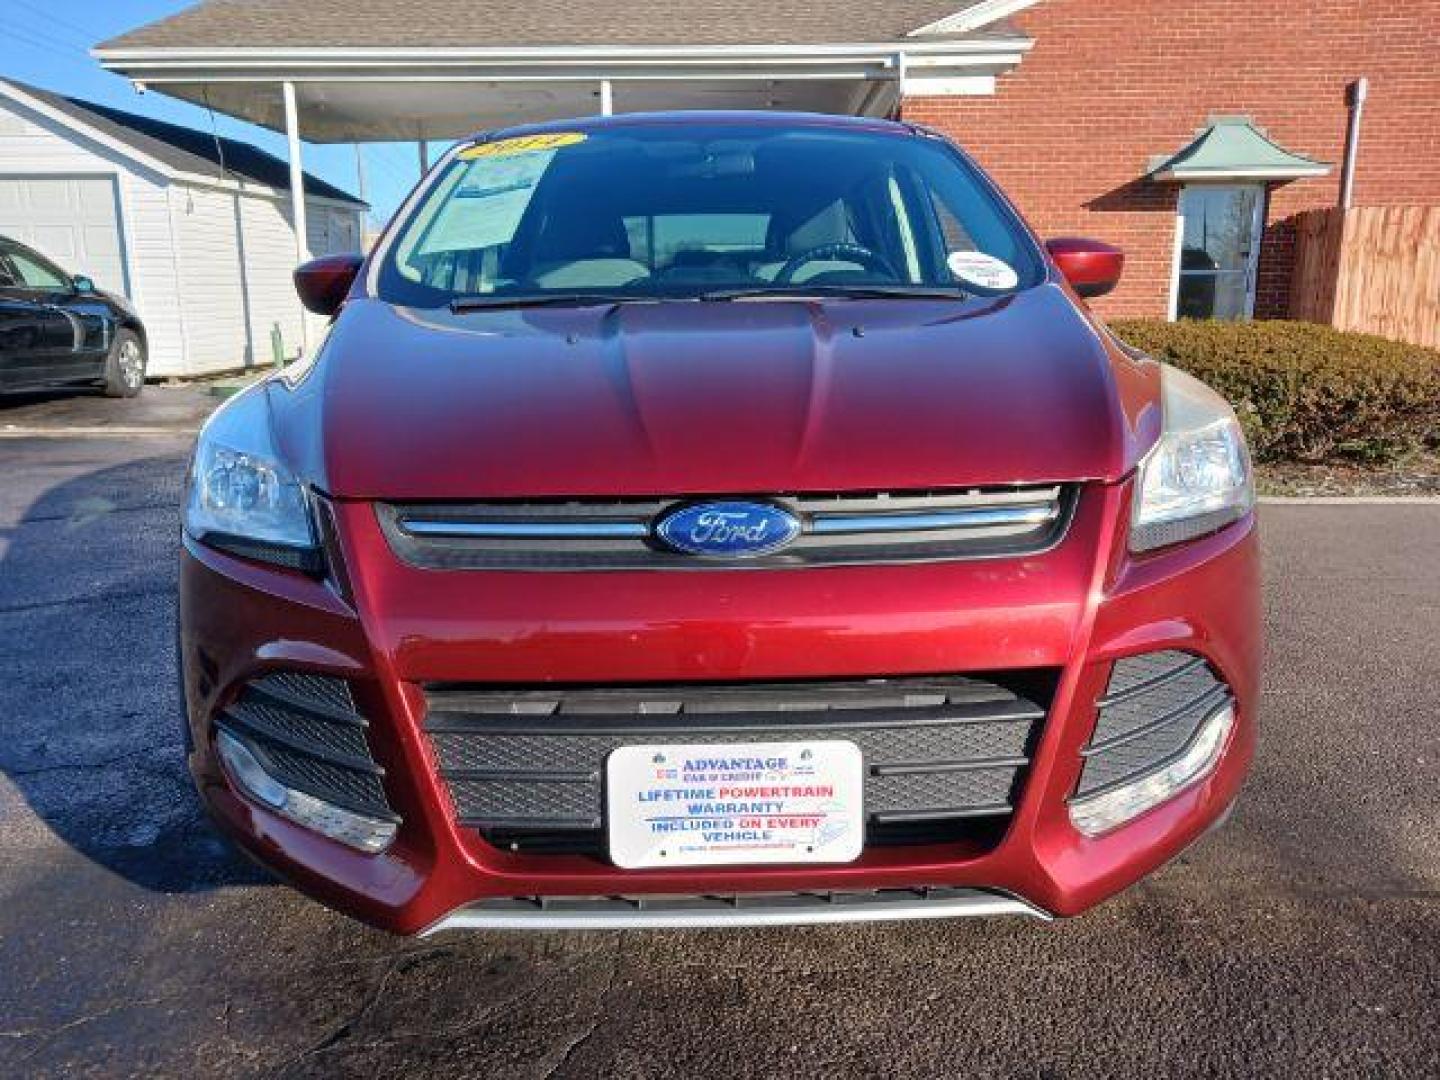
(454, 1032)
(89, 516)
(79, 601)
(342, 1030)
(47, 1035)
(596, 1019)
(25, 771)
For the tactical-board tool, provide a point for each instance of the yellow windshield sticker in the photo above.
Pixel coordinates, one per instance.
(523, 144)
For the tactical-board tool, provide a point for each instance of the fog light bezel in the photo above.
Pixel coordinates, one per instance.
(247, 773)
(1098, 815)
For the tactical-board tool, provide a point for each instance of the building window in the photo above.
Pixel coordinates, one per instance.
(1217, 250)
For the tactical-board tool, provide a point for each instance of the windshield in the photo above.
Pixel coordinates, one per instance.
(680, 211)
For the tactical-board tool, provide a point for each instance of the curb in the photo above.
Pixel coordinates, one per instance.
(110, 431)
(1350, 500)
(115, 431)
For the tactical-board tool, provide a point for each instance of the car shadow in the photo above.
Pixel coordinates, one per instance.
(14, 400)
(90, 728)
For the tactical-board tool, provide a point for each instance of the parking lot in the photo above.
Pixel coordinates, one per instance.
(1302, 940)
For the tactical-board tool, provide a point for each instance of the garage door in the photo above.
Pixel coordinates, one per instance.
(72, 219)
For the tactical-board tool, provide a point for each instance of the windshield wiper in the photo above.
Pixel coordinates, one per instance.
(855, 292)
(500, 301)
(497, 301)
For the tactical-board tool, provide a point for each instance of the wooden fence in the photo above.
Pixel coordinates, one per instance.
(1373, 269)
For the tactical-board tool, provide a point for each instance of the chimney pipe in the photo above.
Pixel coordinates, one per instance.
(1355, 95)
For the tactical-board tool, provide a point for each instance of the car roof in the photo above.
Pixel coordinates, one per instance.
(680, 118)
(10, 241)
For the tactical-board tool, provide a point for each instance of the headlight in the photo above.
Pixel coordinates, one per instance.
(242, 498)
(1197, 478)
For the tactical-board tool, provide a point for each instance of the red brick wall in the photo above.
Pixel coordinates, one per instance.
(1110, 84)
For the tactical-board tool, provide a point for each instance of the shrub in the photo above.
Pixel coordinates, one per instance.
(1304, 392)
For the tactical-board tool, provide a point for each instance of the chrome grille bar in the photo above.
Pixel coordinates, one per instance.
(524, 529)
(836, 529)
(962, 519)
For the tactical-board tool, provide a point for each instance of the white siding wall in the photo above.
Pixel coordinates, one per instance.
(270, 255)
(331, 230)
(33, 145)
(215, 295)
(238, 254)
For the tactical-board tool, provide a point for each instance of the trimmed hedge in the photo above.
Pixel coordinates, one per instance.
(1307, 393)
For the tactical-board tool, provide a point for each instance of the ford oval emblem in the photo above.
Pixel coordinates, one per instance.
(728, 530)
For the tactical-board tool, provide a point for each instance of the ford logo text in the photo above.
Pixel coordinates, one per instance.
(736, 530)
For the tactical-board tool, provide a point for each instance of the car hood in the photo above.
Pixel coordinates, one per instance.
(692, 397)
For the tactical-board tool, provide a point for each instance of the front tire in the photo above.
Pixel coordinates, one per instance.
(125, 366)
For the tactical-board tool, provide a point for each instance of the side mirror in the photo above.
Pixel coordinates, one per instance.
(324, 283)
(1092, 268)
(82, 284)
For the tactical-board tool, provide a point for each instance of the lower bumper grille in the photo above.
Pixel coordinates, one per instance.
(307, 734)
(1153, 707)
(944, 757)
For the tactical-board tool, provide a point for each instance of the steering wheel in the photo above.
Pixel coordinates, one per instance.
(837, 252)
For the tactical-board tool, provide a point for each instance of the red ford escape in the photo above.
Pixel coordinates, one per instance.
(717, 519)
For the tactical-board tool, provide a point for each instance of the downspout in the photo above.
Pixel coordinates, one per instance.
(1355, 95)
(179, 271)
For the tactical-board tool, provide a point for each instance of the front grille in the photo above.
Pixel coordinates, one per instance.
(944, 756)
(1153, 707)
(873, 527)
(306, 732)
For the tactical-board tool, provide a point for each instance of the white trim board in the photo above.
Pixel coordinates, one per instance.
(1200, 176)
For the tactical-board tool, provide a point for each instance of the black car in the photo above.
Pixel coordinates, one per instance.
(59, 330)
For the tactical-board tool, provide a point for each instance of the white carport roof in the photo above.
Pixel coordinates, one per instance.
(441, 69)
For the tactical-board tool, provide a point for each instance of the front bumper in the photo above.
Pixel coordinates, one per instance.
(391, 628)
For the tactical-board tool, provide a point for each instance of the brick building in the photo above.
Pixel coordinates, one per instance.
(1190, 135)
(1071, 133)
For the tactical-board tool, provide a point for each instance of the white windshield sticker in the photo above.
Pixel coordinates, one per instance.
(986, 271)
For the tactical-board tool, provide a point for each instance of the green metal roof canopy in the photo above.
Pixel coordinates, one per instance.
(1232, 148)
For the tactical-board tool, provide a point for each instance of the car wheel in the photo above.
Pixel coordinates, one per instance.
(125, 366)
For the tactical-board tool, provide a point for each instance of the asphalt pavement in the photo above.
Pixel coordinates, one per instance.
(159, 410)
(1301, 940)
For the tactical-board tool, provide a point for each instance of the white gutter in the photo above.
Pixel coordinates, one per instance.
(564, 53)
(551, 64)
(592, 74)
